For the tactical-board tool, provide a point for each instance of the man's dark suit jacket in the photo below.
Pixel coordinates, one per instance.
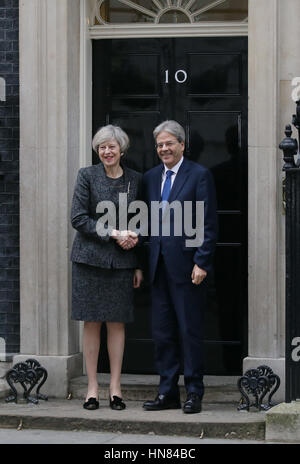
(193, 182)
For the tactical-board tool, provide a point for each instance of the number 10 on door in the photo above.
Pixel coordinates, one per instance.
(180, 76)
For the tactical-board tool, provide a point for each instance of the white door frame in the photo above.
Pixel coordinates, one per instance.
(89, 33)
(137, 31)
(265, 263)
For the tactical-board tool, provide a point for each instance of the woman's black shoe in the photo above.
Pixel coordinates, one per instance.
(117, 403)
(91, 404)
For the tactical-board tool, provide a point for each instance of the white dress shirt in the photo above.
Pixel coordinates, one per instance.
(174, 169)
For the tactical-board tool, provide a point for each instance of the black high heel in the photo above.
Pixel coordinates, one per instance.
(117, 403)
(91, 404)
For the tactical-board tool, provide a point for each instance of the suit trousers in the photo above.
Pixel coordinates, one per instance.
(177, 329)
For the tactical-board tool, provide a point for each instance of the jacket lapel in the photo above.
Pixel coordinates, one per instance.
(179, 181)
(101, 179)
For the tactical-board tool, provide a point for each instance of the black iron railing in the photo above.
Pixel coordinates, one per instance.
(291, 155)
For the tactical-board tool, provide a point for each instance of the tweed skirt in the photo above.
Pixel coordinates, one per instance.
(104, 295)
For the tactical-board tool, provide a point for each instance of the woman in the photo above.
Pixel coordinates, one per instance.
(104, 262)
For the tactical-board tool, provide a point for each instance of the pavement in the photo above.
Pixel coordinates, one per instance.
(109, 441)
(215, 421)
(219, 418)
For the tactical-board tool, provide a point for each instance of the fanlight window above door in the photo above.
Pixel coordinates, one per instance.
(168, 11)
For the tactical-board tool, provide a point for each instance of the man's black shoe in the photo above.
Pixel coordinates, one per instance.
(193, 403)
(162, 402)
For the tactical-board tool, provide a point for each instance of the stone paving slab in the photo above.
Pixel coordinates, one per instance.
(111, 440)
(143, 387)
(148, 379)
(215, 421)
(283, 423)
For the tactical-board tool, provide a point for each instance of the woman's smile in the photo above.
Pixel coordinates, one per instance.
(110, 153)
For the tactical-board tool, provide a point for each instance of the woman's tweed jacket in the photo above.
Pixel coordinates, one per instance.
(93, 186)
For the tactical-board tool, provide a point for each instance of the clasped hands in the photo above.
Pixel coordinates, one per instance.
(126, 239)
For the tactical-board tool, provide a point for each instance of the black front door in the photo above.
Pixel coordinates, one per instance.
(202, 84)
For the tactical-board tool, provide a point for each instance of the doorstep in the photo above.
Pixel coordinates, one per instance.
(218, 389)
(215, 421)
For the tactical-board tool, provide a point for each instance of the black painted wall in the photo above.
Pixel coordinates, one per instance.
(9, 179)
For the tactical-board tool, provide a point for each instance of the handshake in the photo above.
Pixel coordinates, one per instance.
(125, 238)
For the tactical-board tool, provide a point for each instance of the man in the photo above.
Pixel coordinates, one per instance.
(178, 272)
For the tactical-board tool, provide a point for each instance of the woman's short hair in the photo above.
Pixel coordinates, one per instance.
(173, 128)
(109, 132)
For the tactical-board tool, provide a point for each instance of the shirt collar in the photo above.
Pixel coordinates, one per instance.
(174, 168)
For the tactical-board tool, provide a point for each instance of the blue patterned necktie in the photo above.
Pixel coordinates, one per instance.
(167, 188)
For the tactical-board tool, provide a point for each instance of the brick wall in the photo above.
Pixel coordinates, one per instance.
(9, 180)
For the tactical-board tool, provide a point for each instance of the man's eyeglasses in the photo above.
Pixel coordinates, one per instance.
(159, 146)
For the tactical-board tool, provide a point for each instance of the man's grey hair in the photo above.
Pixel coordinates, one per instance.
(173, 127)
(106, 133)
